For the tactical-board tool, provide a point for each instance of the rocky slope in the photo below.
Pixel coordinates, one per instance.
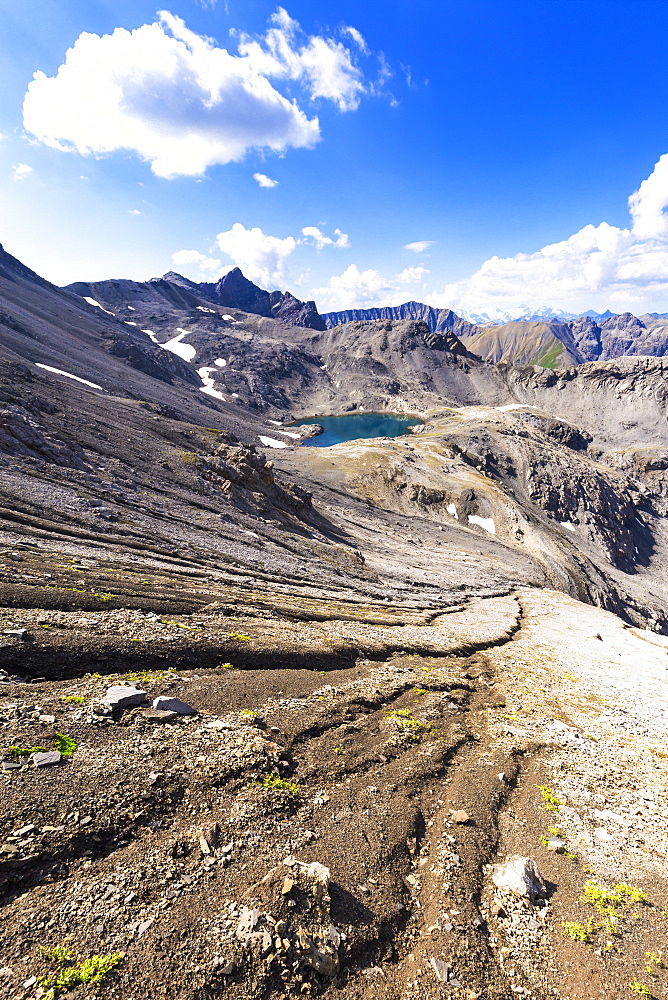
(534, 340)
(232, 291)
(399, 677)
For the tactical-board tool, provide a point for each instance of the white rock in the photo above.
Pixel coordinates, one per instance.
(520, 876)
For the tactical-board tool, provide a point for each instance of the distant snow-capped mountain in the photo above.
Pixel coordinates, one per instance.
(525, 314)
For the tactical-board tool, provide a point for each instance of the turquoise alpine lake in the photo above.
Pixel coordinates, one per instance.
(351, 426)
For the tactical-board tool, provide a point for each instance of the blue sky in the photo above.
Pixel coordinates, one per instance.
(499, 142)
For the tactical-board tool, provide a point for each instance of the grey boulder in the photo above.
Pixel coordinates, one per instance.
(165, 704)
(123, 696)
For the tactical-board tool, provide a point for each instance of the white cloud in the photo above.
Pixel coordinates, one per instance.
(419, 246)
(320, 240)
(264, 181)
(411, 275)
(193, 258)
(134, 211)
(357, 37)
(323, 65)
(355, 289)
(181, 102)
(597, 266)
(262, 258)
(21, 171)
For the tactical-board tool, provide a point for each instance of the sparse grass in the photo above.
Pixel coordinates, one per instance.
(26, 751)
(238, 637)
(73, 699)
(225, 666)
(148, 676)
(273, 781)
(406, 722)
(550, 800)
(640, 989)
(654, 962)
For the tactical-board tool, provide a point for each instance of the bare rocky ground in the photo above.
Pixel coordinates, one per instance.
(310, 831)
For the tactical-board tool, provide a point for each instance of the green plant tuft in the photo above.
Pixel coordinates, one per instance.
(578, 932)
(91, 970)
(65, 744)
(73, 699)
(273, 781)
(640, 989)
(26, 751)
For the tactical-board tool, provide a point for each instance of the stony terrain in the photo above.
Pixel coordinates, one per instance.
(405, 747)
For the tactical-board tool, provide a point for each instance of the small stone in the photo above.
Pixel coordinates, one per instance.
(440, 969)
(288, 885)
(50, 719)
(11, 765)
(154, 778)
(166, 704)
(123, 696)
(556, 845)
(46, 759)
(204, 847)
(460, 816)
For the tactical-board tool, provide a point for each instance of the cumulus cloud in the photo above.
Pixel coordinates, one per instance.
(597, 266)
(262, 258)
(419, 246)
(21, 171)
(181, 102)
(320, 240)
(134, 211)
(264, 181)
(188, 259)
(355, 289)
(412, 275)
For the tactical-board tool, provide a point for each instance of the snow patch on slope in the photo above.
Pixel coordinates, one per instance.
(59, 371)
(94, 302)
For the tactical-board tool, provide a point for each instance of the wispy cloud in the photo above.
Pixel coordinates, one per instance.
(419, 246)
